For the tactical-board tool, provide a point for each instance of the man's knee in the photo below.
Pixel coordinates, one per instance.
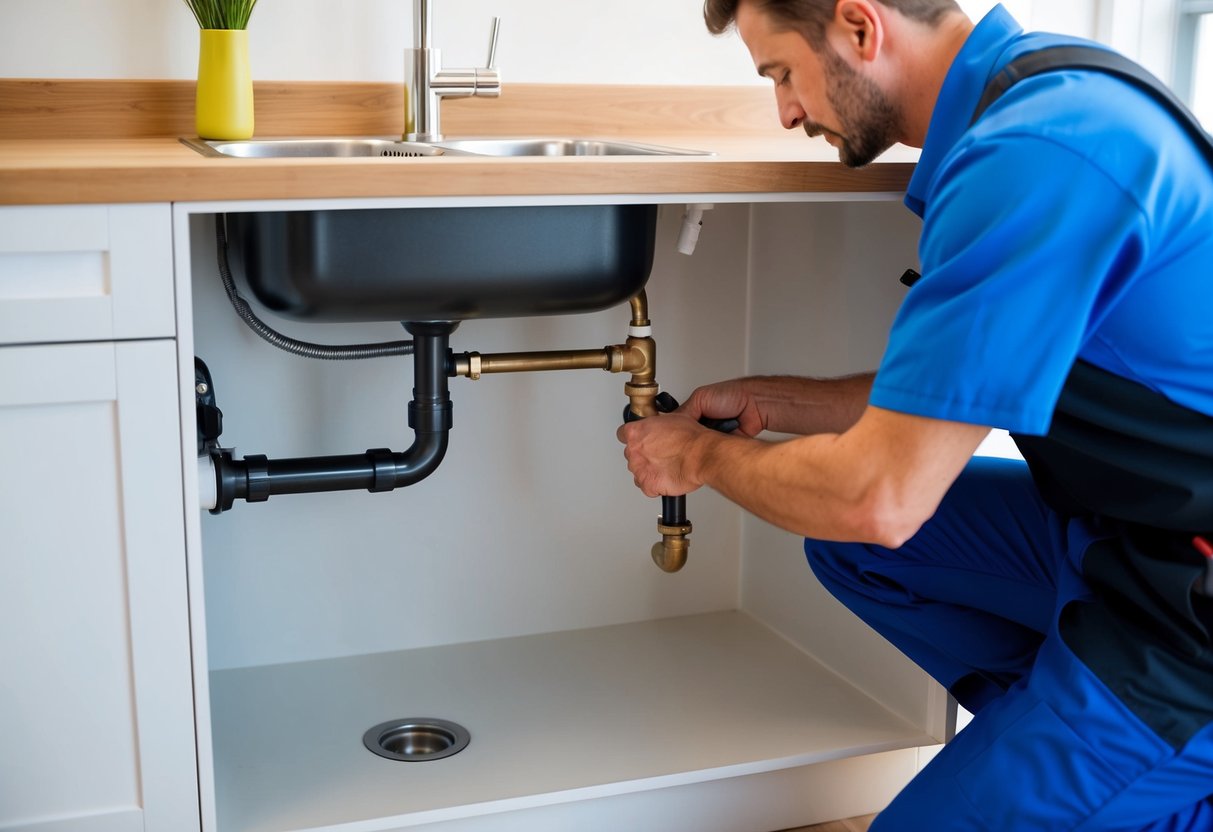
(836, 565)
(820, 555)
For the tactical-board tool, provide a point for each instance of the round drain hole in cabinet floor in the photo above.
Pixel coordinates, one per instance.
(416, 740)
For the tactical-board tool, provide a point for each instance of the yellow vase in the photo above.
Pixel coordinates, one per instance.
(223, 108)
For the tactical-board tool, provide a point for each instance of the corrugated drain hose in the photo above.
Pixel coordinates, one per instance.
(306, 349)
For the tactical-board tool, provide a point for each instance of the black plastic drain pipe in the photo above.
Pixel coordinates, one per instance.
(256, 478)
(673, 511)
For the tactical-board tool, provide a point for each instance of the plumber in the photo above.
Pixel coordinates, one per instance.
(1066, 295)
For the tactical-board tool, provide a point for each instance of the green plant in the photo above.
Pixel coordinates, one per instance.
(222, 14)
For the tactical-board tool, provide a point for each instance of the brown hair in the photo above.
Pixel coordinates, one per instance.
(809, 17)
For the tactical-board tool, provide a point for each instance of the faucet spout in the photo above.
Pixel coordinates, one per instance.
(426, 83)
(421, 23)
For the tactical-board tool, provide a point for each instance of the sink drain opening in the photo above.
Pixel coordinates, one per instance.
(416, 740)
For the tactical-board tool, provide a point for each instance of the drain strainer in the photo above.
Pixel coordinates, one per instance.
(416, 740)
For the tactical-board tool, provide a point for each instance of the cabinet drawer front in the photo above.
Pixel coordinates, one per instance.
(85, 273)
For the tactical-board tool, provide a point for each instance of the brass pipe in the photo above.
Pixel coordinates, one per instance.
(619, 358)
(670, 553)
(637, 356)
(640, 309)
(473, 364)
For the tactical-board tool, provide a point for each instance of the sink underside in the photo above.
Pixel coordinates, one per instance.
(426, 264)
(394, 148)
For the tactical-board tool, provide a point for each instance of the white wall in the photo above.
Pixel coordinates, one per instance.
(568, 41)
(621, 42)
(1202, 93)
(1142, 29)
(1072, 17)
(822, 299)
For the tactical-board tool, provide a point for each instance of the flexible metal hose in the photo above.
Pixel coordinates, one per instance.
(306, 349)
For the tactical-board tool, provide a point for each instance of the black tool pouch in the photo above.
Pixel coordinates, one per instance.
(1143, 466)
(1140, 467)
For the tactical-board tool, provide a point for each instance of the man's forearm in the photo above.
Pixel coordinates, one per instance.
(805, 406)
(875, 483)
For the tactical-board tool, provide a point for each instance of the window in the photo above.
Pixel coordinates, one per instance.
(1171, 38)
(1194, 58)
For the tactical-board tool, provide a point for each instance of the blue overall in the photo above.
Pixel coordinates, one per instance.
(974, 599)
(1066, 250)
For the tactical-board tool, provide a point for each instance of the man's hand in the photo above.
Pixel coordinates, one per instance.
(662, 452)
(877, 481)
(727, 400)
(662, 457)
(665, 458)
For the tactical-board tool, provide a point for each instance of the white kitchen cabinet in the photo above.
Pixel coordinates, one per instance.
(512, 591)
(96, 710)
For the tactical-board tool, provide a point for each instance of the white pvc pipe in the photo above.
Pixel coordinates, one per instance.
(208, 486)
(692, 223)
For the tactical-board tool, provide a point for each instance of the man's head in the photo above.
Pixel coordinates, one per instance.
(834, 70)
(810, 17)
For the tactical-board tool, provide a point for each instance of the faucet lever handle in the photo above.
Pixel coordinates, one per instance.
(492, 64)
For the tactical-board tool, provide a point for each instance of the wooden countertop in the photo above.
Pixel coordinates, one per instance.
(64, 141)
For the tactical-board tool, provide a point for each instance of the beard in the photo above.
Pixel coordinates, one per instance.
(866, 115)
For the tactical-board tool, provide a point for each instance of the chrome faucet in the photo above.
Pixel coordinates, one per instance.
(426, 83)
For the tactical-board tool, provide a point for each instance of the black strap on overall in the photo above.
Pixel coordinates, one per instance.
(1141, 467)
(1116, 448)
(1094, 59)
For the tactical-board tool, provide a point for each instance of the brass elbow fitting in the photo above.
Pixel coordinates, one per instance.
(670, 553)
(641, 389)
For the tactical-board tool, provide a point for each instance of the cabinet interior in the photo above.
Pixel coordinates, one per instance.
(512, 591)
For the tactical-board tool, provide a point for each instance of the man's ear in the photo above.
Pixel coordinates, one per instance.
(861, 28)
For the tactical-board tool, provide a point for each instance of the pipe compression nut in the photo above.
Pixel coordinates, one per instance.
(258, 473)
(469, 364)
(615, 358)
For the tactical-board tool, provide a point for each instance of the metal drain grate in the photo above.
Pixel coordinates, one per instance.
(416, 740)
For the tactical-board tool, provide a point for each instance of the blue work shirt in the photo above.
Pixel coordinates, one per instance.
(1074, 220)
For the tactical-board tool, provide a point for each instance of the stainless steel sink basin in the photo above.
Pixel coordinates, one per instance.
(561, 147)
(312, 147)
(382, 146)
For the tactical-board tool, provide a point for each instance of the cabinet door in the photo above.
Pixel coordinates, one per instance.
(96, 708)
(85, 273)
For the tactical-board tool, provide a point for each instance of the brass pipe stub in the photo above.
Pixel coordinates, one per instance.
(473, 364)
(640, 309)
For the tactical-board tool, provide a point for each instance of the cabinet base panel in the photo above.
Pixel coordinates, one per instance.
(711, 722)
